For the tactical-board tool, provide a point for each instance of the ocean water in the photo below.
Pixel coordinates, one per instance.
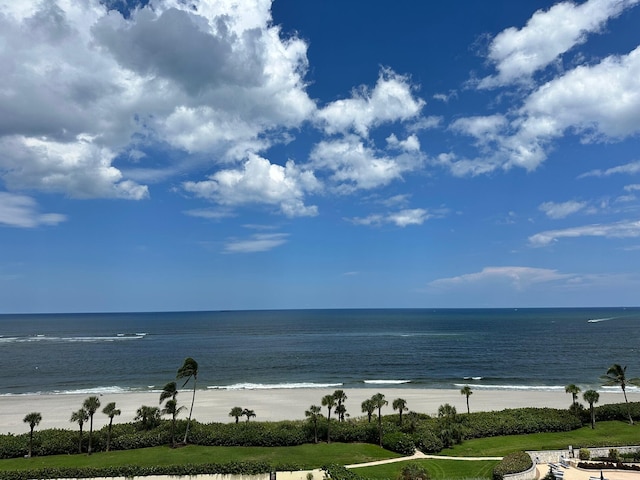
(418, 348)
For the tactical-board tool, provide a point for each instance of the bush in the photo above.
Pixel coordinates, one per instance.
(614, 455)
(413, 471)
(617, 411)
(338, 472)
(513, 463)
(584, 454)
(399, 442)
(428, 442)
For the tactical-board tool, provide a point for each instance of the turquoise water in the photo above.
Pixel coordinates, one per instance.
(485, 348)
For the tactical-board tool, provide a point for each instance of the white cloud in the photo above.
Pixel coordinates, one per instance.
(561, 210)
(518, 53)
(85, 87)
(356, 166)
(626, 169)
(625, 229)
(402, 218)
(22, 211)
(632, 188)
(260, 181)
(390, 100)
(261, 242)
(517, 277)
(483, 128)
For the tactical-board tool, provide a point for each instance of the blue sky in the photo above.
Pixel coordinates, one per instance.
(250, 154)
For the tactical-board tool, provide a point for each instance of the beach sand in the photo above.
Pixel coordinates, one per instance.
(271, 405)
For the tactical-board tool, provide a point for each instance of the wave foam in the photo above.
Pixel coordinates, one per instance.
(386, 382)
(542, 388)
(275, 386)
(45, 338)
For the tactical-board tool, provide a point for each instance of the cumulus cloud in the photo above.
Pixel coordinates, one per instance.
(260, 242)
(392, 99)
(353, 165)
(260, 181)
(561, 210)
(624, 229)
(84, 86)
(517, 277)
(519, 53)
(483, 128)
(22, 212)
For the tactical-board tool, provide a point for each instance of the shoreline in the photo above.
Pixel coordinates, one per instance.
(274, 404)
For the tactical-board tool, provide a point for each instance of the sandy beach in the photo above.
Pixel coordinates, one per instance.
(274, 404)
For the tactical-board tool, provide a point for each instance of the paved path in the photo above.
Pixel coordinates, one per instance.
(419, 456)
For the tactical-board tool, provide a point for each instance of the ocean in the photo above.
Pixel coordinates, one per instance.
(524, 349)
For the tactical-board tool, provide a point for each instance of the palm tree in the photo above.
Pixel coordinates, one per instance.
(340, 397)
(379, 402)
(466, 391)
(33, 419)
(248, 413)
(149, 417)
(368, 407)
(616, 375)
(236, 412)
(110, 411)
(328, 401)
(447, 411)
(188, 370)
(79, 417)
(170, 390)
(91, 405)
(591, 397)
(171, 408)
(314, 414)
(400, 404)
(574, 390)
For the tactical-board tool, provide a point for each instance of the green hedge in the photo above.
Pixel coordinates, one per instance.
(232, 468)
(513, 463)
(338, 472)
(399, 442)
(617, 411)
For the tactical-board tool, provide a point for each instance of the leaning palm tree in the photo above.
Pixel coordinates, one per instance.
(328, 401)
(616, 376)
(248, 413)
(79, 417)
(110, 411)
(466, 391)
(91, 405)
(189, 370)
(574, 390)
(171, 408)
(379, 402)
(33, 419)
(591, 397)
(314, 414)
(236, 412)
(400, 404)
(368, 407)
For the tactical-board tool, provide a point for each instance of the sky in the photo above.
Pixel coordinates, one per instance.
(172, 155)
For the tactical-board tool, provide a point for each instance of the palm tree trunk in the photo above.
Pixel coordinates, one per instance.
(593, 417)
(109, 433)
(30, 442)
(193, 399)
(90, 434)
(627, 402)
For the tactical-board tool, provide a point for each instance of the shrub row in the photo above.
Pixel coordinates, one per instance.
(513, 463)
(430, 435)
(232, 468)
(608, 466)
(614, 411)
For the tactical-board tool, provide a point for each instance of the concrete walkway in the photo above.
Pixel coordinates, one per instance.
(419, 456)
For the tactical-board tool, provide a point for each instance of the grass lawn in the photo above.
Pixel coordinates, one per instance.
(438, 469)
(605, 434)
(309, 456)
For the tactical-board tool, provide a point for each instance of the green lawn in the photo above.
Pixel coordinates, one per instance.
(605, 434)
(310, 456)
(438, 469)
